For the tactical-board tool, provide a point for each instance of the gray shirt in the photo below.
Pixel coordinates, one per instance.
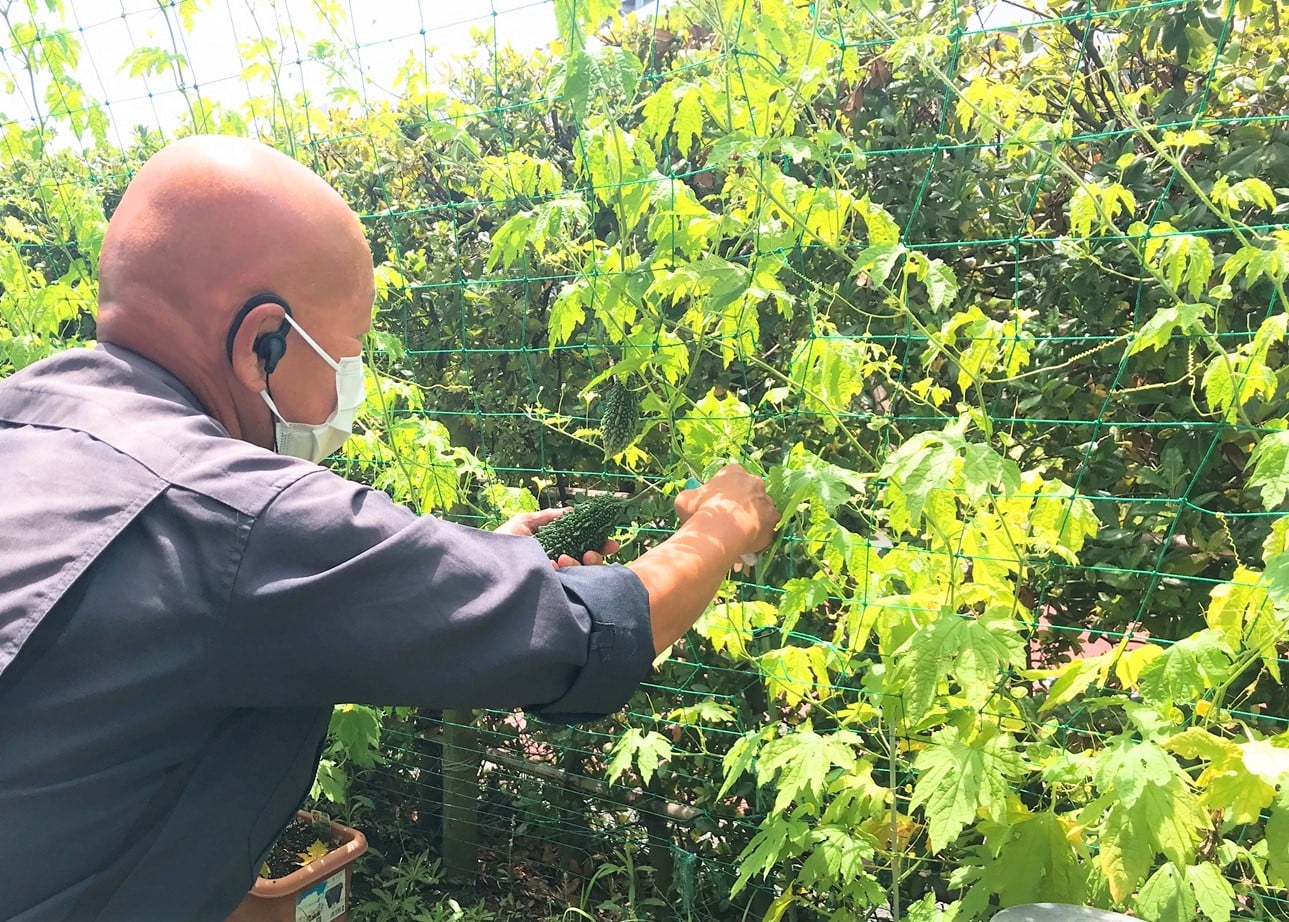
(179, 610)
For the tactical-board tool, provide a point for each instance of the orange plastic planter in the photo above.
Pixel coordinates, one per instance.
(317, 892)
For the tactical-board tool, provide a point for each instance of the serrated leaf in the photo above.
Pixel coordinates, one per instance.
(837, 854)
(1277, 833)
(1156, 332)
(1037, 862)
(925, 463)
(567, 313)
(779, 838)
(1242, 610)
(715, 428)
(983, 469)
(1270, 461)
(805, 476)
(318, 849)
(941, 285)
(974, 651)
(510, 239)
(795, 672)
(882, 229)
(1165, 897)
(960, 779)
(1213, 892)
(1152, 810)
(1187, 669)
(800, 595)
(798, 764)
(1074, 677)
(704, 712)
(645, 749)
(357, 728)
(1227, 783)
(739, 760)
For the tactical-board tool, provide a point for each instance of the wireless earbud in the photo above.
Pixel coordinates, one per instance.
(270, 347)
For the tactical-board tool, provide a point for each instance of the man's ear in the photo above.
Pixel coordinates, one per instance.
(257, 344)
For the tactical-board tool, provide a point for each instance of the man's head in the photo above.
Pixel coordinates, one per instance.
(215, 240)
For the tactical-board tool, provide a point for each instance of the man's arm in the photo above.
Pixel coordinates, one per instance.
(726, 517)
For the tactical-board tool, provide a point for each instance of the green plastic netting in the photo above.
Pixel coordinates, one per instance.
(991, 293)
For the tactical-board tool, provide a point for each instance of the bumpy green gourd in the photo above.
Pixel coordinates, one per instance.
(584, 528)
(619, 417)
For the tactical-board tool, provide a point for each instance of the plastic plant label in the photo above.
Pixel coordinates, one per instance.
(324, 901)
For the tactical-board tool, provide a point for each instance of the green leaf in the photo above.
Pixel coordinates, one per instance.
(356, 728)
(1270, 460)
(331, 782)
(832, 372)
(1188, 669)
(1213, 892)
(574, 18)
(567, 313)
(922, 465)
(983, 468)
(739, 760)
(941, 285)
(960, 779)
(882, 229)
(646, 749)
(800, 595)
(1166, 897)
(1232, 380)
(805, 476)
(1074, 677)
(837, 854)
(799, 763)
(716, 427)
(778, 839)
(1037, 862)
(510, 239)
(1156, 332)
(1152, 811)
(1277, 833)
(1242, 609)
(878, 261)
(1097, 206)
(704, 712)
(974, 651)
(796, 672)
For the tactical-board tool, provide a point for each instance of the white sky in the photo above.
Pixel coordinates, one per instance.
(379, 33)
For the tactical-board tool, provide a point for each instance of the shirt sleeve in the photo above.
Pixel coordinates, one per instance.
(343, 596)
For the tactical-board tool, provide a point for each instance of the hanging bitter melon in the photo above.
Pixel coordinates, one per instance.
(583, 528)
(619, 417)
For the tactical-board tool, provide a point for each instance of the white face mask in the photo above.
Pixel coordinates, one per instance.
(315, 442)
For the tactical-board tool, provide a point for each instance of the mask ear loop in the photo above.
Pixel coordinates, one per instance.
(335, 366)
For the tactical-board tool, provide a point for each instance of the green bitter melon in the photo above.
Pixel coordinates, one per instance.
(583, 528)
(619, 417)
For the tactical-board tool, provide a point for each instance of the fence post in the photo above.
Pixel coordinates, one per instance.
(461, 758)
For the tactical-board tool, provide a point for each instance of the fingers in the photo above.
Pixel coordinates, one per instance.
(590, 558)
(742, 497)
(526, 524)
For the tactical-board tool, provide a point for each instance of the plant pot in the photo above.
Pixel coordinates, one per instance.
(317, 892)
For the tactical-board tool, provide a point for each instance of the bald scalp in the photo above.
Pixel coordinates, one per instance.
(208, 222)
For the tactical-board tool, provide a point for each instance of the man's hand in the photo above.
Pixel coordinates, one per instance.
(526, 524)
(721, 520)
(739, 499)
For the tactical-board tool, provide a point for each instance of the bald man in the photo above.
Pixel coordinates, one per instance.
(185, 593)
